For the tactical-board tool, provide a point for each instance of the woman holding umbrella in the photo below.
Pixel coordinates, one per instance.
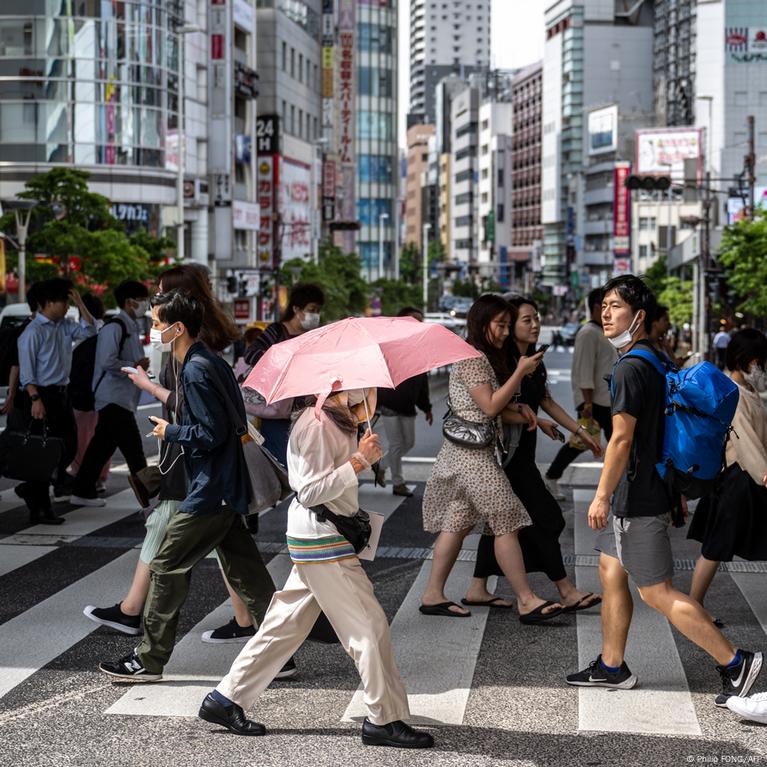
(324, 460)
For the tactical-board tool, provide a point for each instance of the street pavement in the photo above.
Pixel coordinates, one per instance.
(491, 690)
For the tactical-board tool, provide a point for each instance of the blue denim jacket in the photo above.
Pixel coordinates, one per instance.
(213, 450)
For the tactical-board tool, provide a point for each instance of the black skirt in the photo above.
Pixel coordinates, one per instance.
(733, 520)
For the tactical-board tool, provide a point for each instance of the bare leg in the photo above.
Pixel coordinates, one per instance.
(446, 549)
(705, 570)
(133, 604)
(509, 556)
(690, 618)
(617, 609)
(477, 592)
(569, 595)
(241, 614)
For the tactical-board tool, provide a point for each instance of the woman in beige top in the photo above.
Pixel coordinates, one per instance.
(733, 521)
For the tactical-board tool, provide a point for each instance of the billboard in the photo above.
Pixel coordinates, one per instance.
(746, 45)
(621, 209)
(603, 130)
(295, 209)
(662, 152)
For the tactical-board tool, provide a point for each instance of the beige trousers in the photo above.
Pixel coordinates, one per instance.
(344, 593)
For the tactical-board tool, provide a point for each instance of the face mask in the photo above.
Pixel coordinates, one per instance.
(355, 397)
(155, 339)
(624, 339)
(310, 321)
(141, 307)
(756, 378)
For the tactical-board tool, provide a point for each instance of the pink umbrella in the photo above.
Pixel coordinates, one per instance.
(356, 353)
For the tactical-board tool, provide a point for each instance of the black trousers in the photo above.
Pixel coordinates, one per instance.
(60, 421)
(567, 454)
(116, 428)
(539, 542)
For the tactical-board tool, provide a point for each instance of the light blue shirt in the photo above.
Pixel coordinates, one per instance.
(45, 350)
(115, 388)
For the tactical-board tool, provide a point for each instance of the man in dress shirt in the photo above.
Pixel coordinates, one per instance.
(118, 346)
(45, 361)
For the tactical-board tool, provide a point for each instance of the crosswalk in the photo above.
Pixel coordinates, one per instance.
(440, 658)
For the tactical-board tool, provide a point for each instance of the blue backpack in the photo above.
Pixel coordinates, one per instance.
(700, 405)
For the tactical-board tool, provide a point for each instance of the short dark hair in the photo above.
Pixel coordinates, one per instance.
(409, 311)
(746, 346)
(301, 295)
(636, 294)
(94, 305)
(33, 297)
(179, 306)
(53, 290)
(661, 310)
(595, 298)
(130, 289)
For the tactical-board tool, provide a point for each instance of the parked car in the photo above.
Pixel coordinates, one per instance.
(565, 336)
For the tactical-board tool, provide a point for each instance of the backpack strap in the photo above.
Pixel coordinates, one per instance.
(123, 339)
(648, 356)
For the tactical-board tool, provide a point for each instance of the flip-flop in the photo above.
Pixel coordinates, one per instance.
(443, 608)
(580, 606)
(488, 603)
(538, 616)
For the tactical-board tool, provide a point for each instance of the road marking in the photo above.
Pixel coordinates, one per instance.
(751, 586)
(195, 666)
(18, 555)
(436, 656)
(34, 638)
(662, 704)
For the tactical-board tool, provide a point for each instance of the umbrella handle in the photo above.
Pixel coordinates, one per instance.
(367, 411)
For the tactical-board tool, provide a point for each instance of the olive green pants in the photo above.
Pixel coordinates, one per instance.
(188, 539)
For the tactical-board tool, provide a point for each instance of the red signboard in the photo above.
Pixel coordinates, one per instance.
(217, 47)
(242, 308)
(621, 209)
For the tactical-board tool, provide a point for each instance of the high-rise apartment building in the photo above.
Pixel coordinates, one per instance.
(417, 164)
(446, 36)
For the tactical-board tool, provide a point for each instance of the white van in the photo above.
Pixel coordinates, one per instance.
(14, 315)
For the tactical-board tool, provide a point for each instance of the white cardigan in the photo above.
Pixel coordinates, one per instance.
(320, 473)
(749, 447)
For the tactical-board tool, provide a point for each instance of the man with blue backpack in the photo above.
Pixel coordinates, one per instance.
(669, 433)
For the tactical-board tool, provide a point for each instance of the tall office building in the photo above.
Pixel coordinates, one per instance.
(375, 142)
(446, 36)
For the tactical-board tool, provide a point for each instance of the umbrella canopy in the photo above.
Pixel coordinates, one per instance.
(356, 353)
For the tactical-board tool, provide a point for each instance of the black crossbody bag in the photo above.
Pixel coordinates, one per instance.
(356, 529)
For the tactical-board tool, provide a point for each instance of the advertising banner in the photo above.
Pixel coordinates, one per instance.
(663, 151)
(603, 130)
(621, 209)
(265, 182)
(295, 209)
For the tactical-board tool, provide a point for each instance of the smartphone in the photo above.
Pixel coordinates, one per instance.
(558, 434)
(543, 349)
(149, 418)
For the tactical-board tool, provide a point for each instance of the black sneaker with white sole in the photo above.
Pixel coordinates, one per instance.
(288, 671)
(738, 680)
(115, 618)
(231, 633)
(596, 675)
(129, 669)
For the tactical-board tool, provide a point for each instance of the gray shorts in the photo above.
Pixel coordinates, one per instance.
(644, 548)
(605, 541)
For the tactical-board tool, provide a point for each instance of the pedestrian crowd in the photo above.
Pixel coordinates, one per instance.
(73, 397)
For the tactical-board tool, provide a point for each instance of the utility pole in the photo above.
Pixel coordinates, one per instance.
(751, 168)
(705, 257)
(425, 267)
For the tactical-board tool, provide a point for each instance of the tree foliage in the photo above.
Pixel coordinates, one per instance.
(743, 254)
(671, 291)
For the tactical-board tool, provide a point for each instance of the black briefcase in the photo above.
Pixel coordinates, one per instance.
(30, 457)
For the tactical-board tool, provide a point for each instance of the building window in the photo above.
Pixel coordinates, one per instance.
(501, 213)
(291, 128)
(647, 223)
(500, 178)
(374, 37)
(284, 56)
(374, 168)
(644, 251)
(300, 67)
(292, 62)
(300, 130)
(375, 125)
(369, 211)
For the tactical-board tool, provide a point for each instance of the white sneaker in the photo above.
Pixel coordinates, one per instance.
(753, 708)
(77, 500)
(553, 488)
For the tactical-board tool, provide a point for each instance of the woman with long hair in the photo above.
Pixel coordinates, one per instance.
(540, 541)
(325, 459)
(467, 485)
(218, 331)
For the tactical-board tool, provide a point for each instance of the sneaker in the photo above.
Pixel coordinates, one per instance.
(596, 675)
(754, 708)
(129, 669)
(402, 490)
(738, 680)
(553, 487)
(79, 500)
(115, 618)
(231, 633)
(288, 671)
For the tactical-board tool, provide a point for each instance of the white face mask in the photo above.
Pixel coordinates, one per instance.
(624, 339)
(756, 378)
(310, 321)
(355, 397)
(155, 339)
(141, 307)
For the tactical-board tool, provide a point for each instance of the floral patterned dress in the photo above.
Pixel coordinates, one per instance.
(467, 486)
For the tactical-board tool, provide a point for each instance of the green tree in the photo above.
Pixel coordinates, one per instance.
(677, 295)
(743, 254)
(409, 262)
(655, 276)
(397, 294)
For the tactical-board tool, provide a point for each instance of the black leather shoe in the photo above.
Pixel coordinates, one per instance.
(395, 734)
(233, 717)
(50, 517)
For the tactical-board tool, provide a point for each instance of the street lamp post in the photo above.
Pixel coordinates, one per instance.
(22, 216)
(316, 207)
(381, 218)
(425, 267)
(181, 142)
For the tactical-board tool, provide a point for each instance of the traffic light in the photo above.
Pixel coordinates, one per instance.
(649, 183)
(231, 284)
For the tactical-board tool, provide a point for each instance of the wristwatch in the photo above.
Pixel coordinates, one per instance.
(34, 397)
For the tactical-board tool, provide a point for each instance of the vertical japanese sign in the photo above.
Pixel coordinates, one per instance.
(266, 181)
(621, 209)
(328, 68)
(295, 209)
(346, 95)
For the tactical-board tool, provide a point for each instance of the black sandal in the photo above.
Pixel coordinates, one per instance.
(579, 605)
(537, 616)
(443, 608)
(488, 603)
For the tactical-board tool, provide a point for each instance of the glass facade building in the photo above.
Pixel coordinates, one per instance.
(376, 133)
(88, 82)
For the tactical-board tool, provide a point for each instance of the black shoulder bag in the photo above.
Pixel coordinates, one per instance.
(356, 529)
